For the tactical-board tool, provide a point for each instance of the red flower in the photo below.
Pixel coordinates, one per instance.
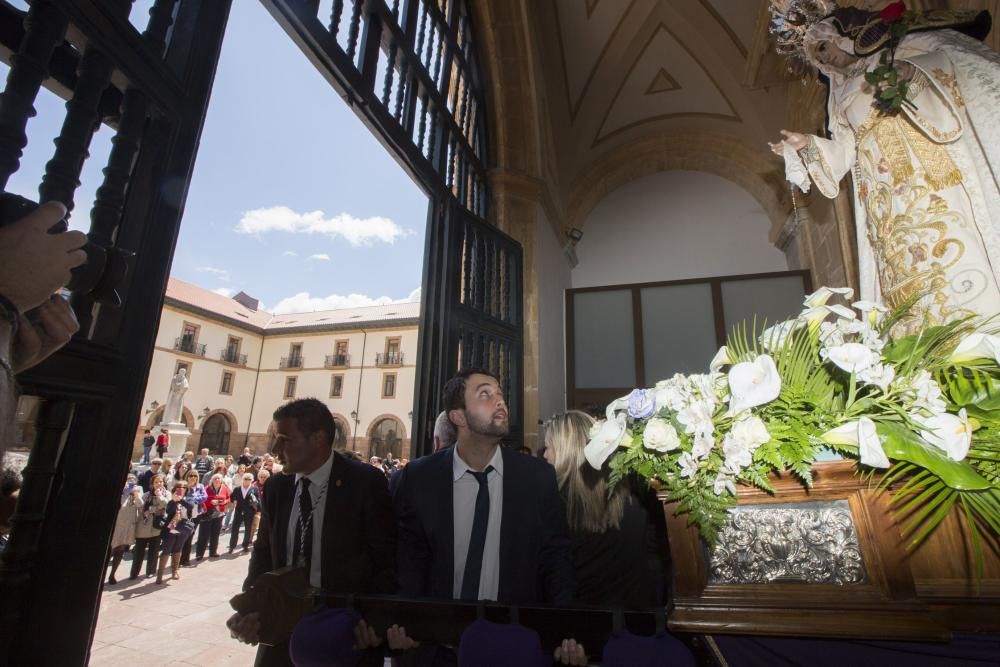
(894, 12)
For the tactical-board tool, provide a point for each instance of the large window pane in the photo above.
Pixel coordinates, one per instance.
(603, 339)
(678, 330)
(770, 299)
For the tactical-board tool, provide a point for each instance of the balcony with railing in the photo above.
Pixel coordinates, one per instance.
(292, 362)
(233, 357)
(338, 360)
(389, 359)
(189, 346)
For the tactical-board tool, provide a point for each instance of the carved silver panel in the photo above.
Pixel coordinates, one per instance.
(813, 543)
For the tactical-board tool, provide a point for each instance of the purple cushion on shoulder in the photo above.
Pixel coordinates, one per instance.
(486, 644)
(325, 638)
(627, 650)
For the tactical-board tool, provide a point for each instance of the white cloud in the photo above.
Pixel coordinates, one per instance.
(289, 253)
(322, 257)
(224, 291)
(221, 274)
(304, 303)
(356, 231)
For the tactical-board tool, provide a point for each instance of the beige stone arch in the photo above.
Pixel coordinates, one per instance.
(187, 418)
(752, 170)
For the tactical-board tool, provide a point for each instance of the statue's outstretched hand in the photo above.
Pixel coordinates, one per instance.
(796, 140)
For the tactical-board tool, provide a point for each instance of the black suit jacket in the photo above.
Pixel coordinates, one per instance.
(359, 536)
(535, 561)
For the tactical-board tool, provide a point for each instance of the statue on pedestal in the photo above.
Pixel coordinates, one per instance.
(173, 412)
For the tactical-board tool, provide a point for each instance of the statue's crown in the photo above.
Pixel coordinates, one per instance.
(790, 19)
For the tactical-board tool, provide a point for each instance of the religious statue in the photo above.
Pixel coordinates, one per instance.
(172, 414)
(911, 114)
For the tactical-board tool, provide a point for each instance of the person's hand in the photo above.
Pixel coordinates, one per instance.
(36, 341)
(34, 263)
(245, 627)
(570, 653)
(398, 640)
(796, 140)
(365, 637)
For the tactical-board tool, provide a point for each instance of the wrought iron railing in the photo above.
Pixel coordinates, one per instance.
(233, 357)
(338, 360)
(389, 359)
(189, 346)
(292, 362)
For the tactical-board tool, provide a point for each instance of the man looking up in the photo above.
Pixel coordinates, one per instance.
(477, 521)
(325, 512)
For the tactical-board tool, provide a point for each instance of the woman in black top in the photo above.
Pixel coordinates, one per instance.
(178, 530)
(618, 540)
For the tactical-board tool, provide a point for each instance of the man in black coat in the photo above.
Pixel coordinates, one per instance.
(522, 554)
(328, 513)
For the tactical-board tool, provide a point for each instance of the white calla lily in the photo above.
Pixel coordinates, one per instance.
(823, 294)
(977, 346)
(861, 434)
(753, 383)
(773, 338)
(871, 310)
(720, 359)
(952, 433)
(852, 357)
(609, 435)
(843, 312)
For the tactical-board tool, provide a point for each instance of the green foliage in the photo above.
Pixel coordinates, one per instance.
(815, 397)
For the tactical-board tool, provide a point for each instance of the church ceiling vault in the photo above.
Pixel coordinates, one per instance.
(616, 71)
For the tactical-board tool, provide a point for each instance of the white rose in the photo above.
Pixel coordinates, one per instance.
(660, 436)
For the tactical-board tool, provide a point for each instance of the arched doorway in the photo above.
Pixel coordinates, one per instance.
(215, 434)
(340, 442)
(385, 436)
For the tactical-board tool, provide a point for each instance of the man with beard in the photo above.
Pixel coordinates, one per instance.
(478, 521)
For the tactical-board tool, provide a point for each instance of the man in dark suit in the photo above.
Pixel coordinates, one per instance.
(478, 521)
(325, 512)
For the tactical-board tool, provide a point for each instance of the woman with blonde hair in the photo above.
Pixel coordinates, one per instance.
(618, 537)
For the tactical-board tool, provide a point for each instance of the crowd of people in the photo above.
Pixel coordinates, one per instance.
(170, 509)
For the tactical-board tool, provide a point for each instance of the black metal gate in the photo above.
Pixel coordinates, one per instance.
(410, 71)
(152, 88)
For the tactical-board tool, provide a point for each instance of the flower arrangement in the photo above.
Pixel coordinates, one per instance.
(924, 409)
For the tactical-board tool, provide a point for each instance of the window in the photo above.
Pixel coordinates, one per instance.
(189, 335)
(227, 383)
(392, 347)
(232, 354)
(336, 386)
(295, 351)
(389, 385)
(341, 347)
(186, 366)
(290, 387)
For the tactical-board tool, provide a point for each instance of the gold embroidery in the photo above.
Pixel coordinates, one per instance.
(896, 138)
(915, 255)
(950, 84)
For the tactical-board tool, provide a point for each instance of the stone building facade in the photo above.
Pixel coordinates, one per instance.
(242, 363)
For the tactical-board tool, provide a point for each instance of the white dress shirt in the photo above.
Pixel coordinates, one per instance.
(318, 481)
(464, 492)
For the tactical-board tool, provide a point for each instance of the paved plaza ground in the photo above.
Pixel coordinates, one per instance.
(181, 623)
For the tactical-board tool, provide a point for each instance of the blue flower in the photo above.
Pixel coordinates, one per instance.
(641, 404)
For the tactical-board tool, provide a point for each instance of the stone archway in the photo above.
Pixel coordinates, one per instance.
(157, 415)
(215, 433)
(343, 432)
(386, 435)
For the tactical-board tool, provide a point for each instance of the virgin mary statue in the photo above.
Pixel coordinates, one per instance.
(926, 196)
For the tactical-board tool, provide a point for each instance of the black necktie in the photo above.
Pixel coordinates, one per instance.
(303, 531)
(477, 540)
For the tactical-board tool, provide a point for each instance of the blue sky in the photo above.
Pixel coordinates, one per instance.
(293, 200)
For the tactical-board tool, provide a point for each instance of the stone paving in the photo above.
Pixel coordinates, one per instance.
(179, 624)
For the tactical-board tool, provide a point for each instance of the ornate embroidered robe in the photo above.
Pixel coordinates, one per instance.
(927, 203)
